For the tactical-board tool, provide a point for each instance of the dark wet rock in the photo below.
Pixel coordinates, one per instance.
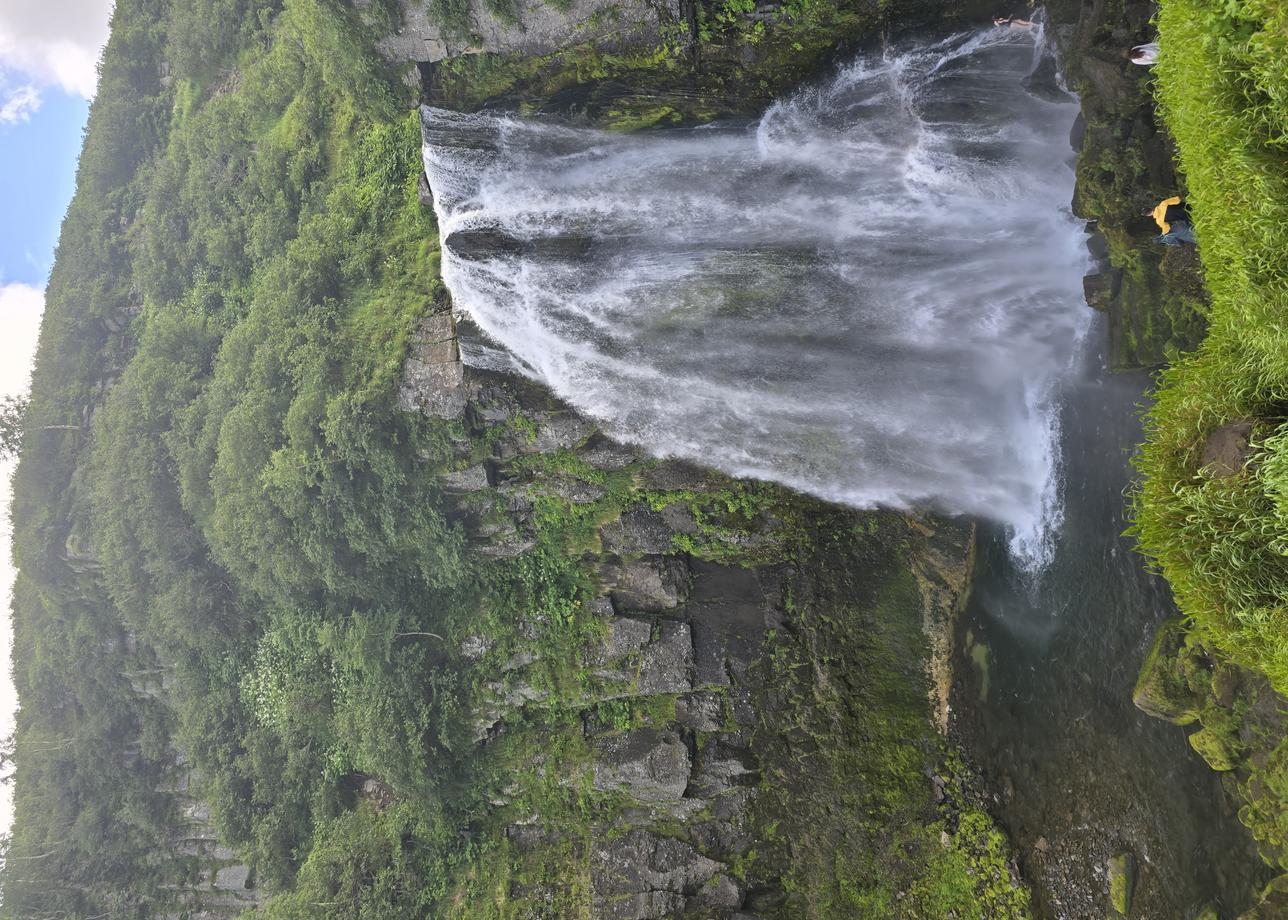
(424, 192)
(1100, 289)
(677, 475)
(641, 875)
(648, 765)
(728, 617)
(1226, 451)
(1111, 78)
(721, 766)
(607, 455)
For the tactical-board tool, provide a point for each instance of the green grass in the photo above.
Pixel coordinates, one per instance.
(1223, 542)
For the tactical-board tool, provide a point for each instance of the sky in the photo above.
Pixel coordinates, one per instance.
(49, 52)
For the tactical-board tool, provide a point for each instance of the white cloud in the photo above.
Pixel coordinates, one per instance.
(20, 308)
(55, 42)
(18, 104)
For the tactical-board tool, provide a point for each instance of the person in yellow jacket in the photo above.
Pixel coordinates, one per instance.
(1173, 219)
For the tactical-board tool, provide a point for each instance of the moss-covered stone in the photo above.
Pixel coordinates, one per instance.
(1219, 749)
(1273, 904)
(1164, 688)
(1122, 883)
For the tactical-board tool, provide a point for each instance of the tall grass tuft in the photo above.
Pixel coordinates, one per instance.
(1222, 542)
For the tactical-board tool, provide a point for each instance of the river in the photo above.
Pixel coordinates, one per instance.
(1044, 705)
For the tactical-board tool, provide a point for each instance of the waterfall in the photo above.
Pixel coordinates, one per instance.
(871, 295)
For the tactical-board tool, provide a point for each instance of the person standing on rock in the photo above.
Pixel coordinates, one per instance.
(1173, 219)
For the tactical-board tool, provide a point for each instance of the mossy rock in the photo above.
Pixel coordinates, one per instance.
(1221, 751)
(1207, 913)
(1122, 883)
(1273, 904)
(1164, 689)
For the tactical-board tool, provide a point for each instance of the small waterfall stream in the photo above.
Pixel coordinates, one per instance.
(872, 295)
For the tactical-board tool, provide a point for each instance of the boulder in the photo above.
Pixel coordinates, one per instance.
(1101, 289)
(649, 765)
(666, 664)
(702, 711)
(640, 875)
(471, 479)
(1221, 751)
(433, 380)
(1226, 450)
(651, 584)
(1163, 689)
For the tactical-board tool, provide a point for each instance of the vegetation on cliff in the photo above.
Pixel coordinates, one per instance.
(1213, 507)
(237, 554)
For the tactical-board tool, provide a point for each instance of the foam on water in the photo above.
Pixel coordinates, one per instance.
(871, 295)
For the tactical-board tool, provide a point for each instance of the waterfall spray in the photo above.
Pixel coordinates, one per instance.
(872, 295)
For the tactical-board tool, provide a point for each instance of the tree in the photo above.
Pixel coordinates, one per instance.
(13, 409)
(13, 414)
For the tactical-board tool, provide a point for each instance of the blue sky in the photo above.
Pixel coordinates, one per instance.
(37, 176)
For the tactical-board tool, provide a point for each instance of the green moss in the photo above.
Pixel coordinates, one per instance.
(1217, 748)
(856, 831)
(1122, 882)
(1165, 687)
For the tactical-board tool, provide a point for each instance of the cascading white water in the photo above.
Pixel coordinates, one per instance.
(872, 295)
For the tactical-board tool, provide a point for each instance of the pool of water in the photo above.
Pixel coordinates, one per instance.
(1043, 701)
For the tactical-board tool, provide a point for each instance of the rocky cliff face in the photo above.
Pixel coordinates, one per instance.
(698, 687)
(530, 28)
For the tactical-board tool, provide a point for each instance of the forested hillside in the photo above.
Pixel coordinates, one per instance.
(281, 643)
